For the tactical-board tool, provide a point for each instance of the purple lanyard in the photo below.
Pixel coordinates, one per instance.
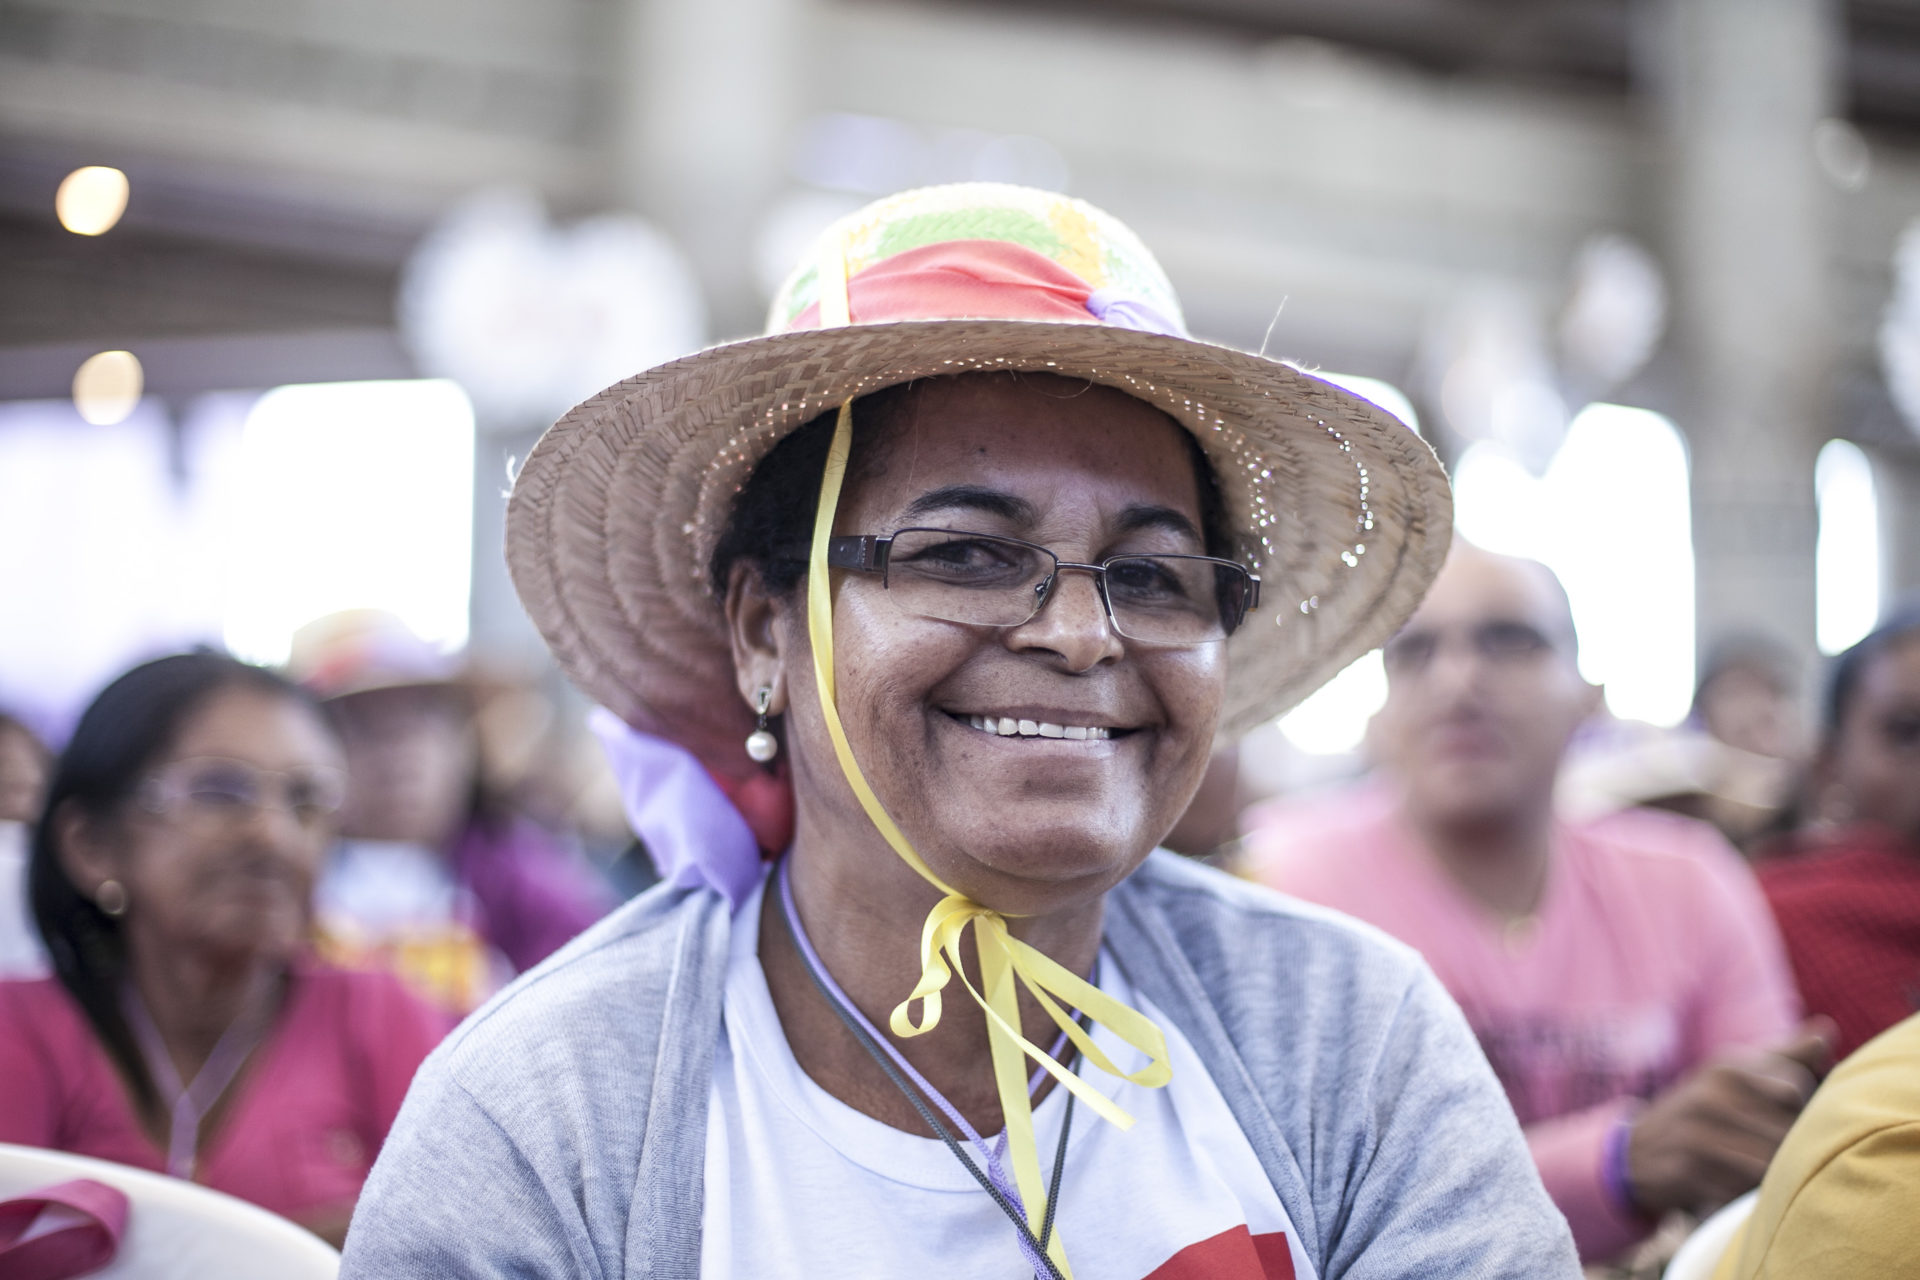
(992, 1156)
(189, 1103)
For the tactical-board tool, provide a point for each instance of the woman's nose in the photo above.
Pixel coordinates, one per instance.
(1072, 622)
(275, 824)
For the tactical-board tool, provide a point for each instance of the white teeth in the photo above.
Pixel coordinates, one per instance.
(1008, 727)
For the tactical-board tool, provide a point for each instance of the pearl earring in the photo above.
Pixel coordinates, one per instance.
(761, 744)
(111, 898)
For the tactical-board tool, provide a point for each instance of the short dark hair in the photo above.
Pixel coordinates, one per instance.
(1850, 668)
(129, 726)
(776, 507)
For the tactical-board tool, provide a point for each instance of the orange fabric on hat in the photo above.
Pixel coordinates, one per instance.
(979, 279)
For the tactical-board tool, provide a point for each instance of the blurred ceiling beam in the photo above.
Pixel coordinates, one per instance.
(319, 141)
(180, 368)
(1545, 43)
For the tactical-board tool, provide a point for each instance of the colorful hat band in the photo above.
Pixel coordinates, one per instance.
(985, 280)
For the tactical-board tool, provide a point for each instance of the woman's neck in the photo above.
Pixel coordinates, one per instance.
(865, 926)
(194, 997)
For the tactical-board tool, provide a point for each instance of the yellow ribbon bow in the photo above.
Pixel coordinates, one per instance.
(1006, 963)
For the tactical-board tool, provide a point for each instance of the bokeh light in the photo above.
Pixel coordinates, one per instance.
(91, 200)
(1375, 391)
(1333, 721)
(107, 386)
(1846, 557)
(1612, 516)
(353, 495)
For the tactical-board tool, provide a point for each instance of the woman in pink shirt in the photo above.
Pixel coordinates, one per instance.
(185, 1029)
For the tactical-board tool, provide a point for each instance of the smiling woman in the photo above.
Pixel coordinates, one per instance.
(939, 595)
(186, 1028)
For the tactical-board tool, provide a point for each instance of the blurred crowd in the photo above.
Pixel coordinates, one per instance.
(238, 907)
(301, 879)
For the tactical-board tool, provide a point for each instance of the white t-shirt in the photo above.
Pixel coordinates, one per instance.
(388, 904)
(798, 1184)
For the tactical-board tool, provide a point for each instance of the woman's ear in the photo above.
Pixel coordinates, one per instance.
(756, 633)
(87, 855)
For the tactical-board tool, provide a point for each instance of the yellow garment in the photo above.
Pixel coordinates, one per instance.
(1842, 1196)
(447, 964)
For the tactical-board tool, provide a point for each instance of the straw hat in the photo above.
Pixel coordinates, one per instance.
(1344, 512)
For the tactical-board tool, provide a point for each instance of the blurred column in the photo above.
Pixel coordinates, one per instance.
(704, 101)
(1741, 85)
(1896, 481)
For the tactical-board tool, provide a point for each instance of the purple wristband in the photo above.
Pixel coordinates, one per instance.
(1613, 1166)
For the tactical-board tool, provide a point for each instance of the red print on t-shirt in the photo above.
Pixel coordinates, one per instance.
(1234, 1254)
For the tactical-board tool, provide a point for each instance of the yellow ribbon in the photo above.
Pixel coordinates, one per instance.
(1006, 963)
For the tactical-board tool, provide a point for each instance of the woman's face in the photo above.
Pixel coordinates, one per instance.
(235, 883)
(1753, 708)
(411, 757)
(1875, 757)
(1020, 823)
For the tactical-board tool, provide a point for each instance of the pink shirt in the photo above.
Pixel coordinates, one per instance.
(1652, 950)
(310, 1109)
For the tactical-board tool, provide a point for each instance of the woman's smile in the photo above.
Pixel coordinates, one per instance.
(1013, 724)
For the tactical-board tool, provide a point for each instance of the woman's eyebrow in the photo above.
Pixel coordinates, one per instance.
(969, 497)
(1142, 516)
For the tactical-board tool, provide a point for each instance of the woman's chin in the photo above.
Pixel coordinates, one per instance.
(265, 937)
(1042, 868)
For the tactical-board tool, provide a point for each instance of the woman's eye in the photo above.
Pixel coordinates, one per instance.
(969, 557)
(1902, 731)
(1142, 579)
(958, 552)
(221, 796)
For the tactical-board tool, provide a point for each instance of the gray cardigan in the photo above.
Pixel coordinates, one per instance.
(561, 1131)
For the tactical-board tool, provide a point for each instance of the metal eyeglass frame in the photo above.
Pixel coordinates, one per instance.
(869, 553)
(166, 793)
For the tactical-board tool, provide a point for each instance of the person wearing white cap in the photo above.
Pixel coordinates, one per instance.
(436, 877)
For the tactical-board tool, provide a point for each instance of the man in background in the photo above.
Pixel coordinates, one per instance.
(1623, 977)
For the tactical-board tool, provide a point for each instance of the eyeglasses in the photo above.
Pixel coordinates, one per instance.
(217, 791)
(1498, 644)
(986, 580)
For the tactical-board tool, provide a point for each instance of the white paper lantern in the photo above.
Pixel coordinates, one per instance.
(531, 319)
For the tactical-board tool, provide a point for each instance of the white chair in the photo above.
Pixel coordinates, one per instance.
(1702, 1251)
(179, 1230)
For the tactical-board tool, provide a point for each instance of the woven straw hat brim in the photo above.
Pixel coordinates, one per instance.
(614, 517)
